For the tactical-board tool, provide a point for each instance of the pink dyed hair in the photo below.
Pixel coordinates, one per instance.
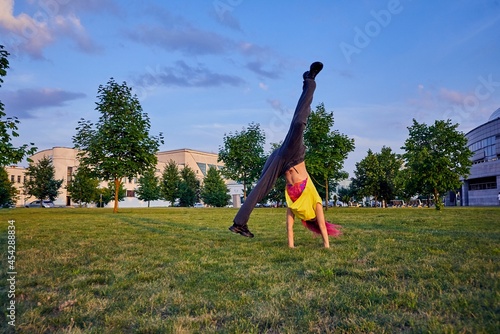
(331, 229)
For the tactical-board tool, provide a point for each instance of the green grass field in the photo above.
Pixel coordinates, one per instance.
(175, 270)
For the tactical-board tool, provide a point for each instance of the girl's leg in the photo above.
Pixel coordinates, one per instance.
(270, 174)
(293, 145)
(291, 152)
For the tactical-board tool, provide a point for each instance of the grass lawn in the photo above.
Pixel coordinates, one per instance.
(176, 270)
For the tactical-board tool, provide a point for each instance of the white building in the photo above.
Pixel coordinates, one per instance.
(482, 186)
(65, 164)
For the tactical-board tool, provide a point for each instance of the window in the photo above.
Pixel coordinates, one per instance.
(19, 179)
(203, 167)
(484, 183)
(130, 193)
(487, 146)
(69, 173)
(12, 178)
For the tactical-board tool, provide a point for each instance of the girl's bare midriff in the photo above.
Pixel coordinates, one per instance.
(296, 174)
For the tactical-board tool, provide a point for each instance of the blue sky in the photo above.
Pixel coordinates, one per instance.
(205, 68)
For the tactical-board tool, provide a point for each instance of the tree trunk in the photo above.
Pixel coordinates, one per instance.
(437, 200)
(117, 190)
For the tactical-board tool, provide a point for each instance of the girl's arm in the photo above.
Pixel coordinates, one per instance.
(290, 218)
(320, 216)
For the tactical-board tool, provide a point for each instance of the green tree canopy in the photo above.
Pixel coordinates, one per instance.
(119, 144)
(189, 187)
(376, 175)
(149, 186)
(390, 165)
(326, 151)
(437, 156)
(40, 180)
(366, 174)
(243, 155)
(83, 187)
(8, 192)
(406, 186)
(9, 154)
(345, 194)
(214, 191)
(170, 182)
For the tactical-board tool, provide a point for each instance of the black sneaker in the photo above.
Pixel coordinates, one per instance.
(315, 68)
(241, 229)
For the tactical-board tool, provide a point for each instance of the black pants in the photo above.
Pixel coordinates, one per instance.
(289, 154)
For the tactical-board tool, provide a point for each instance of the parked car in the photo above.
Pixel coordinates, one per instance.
(198, 205)
(37, 204)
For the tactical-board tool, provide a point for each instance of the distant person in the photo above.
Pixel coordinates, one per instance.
(302, 198)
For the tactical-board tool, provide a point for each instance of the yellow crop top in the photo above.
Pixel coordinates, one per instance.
(304, 207)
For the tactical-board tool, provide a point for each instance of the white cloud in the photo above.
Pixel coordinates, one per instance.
(28, 35)
(32, 34)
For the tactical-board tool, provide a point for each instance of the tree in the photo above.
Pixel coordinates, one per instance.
(9, 154)
(111, 191)
(83, 187)
(214, 191)
(390, 165)
(345, 195)
(41, 182)
(189, 187)
(8, 192)
(106, 195)
(243, 155)
(149, 187)
(406, 186)
(366, 174)
(119, 144)
(103, 197)
(376, 175)
(277, 194)
(170, 182)
(437, 156)
(326, 150)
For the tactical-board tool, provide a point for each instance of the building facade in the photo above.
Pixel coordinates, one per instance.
(482, 186)
(65, 164)
(17, 177)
